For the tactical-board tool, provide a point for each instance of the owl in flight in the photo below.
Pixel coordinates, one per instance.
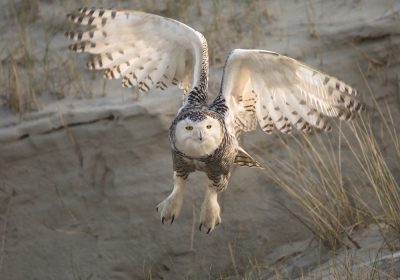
(149, 51)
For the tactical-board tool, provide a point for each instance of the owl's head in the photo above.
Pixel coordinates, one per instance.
(198, 135)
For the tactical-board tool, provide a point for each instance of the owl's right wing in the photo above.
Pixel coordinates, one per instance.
(146, 50)
(281, 92)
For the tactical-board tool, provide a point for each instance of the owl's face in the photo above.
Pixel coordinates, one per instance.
(198, 138)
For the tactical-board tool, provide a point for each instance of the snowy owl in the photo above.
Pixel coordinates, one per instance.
(152, 51)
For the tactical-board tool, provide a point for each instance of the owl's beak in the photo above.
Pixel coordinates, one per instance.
(199, 134)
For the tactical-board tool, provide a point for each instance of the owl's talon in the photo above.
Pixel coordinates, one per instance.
(200, 226)
(171, 206)
(210, 211)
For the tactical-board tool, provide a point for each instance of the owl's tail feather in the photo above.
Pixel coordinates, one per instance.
(244, 159)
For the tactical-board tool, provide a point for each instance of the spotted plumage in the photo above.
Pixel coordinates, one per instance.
(149, 51)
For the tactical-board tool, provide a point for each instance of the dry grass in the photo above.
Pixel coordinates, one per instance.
(34, 67)
(346, 184)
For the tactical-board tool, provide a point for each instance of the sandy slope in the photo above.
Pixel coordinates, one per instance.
(79, 202)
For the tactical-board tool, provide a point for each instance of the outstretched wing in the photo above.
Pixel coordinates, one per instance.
(145, 49)
(281, 92)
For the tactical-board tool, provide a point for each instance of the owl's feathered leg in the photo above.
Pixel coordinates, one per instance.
(171, 206)
(210, 210)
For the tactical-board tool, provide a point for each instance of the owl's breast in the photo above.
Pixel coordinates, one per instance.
(196, 164)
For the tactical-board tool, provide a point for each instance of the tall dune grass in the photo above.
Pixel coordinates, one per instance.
(346, 181)
(335, 179)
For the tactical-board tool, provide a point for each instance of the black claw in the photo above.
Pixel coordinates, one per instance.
(162, 220)
(173, 217)
(208, 230)
(157, 209)
(200, 226)
(217, 224)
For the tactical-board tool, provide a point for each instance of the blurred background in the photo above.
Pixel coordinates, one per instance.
(84, 162)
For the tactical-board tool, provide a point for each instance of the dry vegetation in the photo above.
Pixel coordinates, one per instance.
(340, 192)
(345, 192)
(34, 67)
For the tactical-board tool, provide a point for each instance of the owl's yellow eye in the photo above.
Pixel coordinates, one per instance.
(208, 126)
(189, 128)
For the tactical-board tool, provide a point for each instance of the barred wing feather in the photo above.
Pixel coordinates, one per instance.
(145, 50)
(283, 93)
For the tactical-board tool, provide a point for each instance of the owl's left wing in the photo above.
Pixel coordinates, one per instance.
(281, 92)
(145, 50)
